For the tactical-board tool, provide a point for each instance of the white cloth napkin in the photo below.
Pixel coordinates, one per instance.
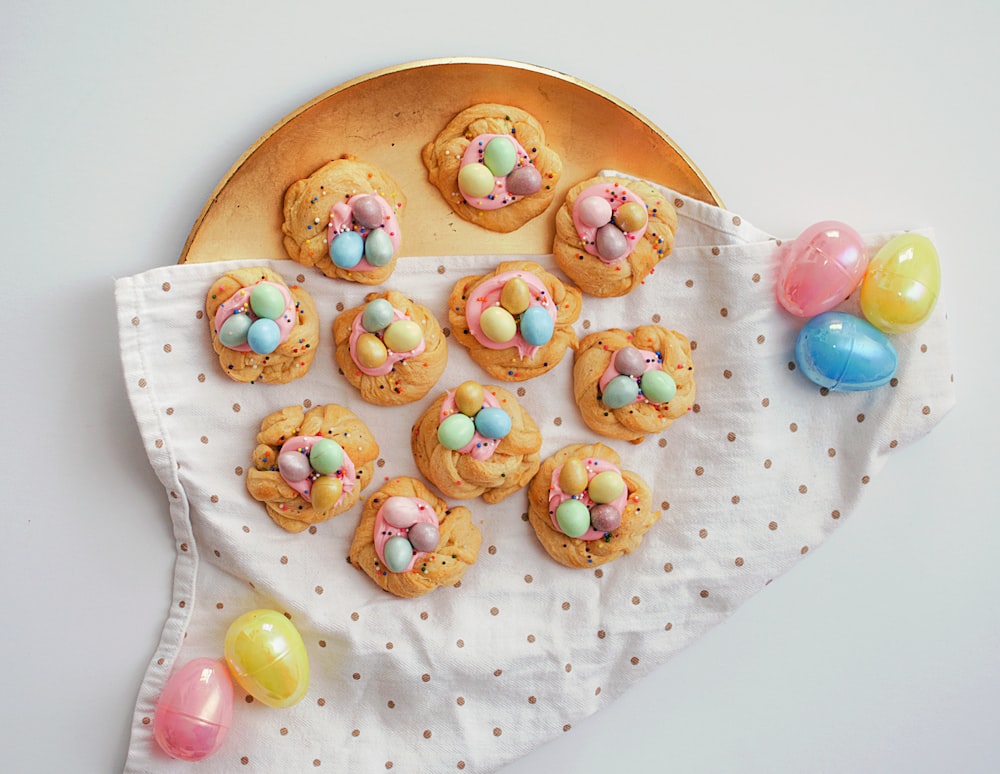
(470, 678)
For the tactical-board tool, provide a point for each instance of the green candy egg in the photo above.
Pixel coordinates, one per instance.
(500, 156)
(476, 180)
(402, 336)
(266, 301)
(377, 315)
(606, 486)
(326, 456)
(573, 518)
(397, 552)
(456, 431)
(233, 332)
(658, 386)
(378, 248)
(620, 391)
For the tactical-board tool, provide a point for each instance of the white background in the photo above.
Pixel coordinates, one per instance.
(878, 653)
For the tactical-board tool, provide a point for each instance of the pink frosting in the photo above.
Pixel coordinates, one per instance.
(420, 510)
(393, 357)
(342, 219)
(500, 197)
(480, 447)
(653, 363)
(616, 195)
(304, 443)
(557, 496)
(239, 303)
(487, 294)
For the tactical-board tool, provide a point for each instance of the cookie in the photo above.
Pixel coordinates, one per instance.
(476, 440)
(391, 349)
(262, 329)
(493, 167)
(587, 511)
(311, 466)
(344, 220)
(516, 322)
(628, 385)
(611, 232)
(410, 542)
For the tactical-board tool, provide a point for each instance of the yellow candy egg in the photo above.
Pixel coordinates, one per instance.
(606, 486)
(515, 295)
(631, 216)
(469, 398)
(370, 350)
(402, 336)
(498, 324)
(476, 180)
(573, 477)
(901, 284)
(326, 490)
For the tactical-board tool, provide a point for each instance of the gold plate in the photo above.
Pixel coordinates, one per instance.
(387, 116)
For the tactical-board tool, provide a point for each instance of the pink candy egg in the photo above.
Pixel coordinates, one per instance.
(594, 211)
(401, 512)
(195, 710)
(820, 268)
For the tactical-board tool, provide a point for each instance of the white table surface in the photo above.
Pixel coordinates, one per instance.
(876, 653)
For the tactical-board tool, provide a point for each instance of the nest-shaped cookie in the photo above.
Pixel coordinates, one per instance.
(410, 379)
(457, 548)
(460, 476)
(638, 517)
(593, 275)
(307, 211)
(443, 159)
(636, 420)
(506, 364)
(292, 358)
(285, 506)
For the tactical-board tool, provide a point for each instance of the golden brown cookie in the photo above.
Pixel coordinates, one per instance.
(489, 455)
(616, 397)
(499, 187)
(390, 348)
(586, 476)
(611, 232)
(410, 542)
(262, 329)
(311, 466)
(517, 321)
(348, 197)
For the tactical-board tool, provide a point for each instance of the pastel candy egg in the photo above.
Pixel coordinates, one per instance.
(594, 211)
(631, 216)
(658, 386)
(573, 477)
(902, 284)
(347, 249)
(620, 391)
(397, 551)
(611, 243)
(326, 491)
(524, 181)
(294, 466)
(500, 156)
(367, 211)
(629, 360)
(498, 324)
(400, 512)
(195, 710)
(820, 268)
(233, 332)
(263, 336)
(326, 456)
(476, 181)
(573, 518)
(378, 248)
(371, 352)
(378, 313)
(267, 657)
(839, 351)
(606, 486)
(424, 536)
(469, 397)
(402, 336)
(605, 517)
(266, 301)
(537, 326)
(456, 431)
(493, 422)
(515, 296)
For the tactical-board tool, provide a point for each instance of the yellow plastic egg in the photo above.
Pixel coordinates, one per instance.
(606, 486)
(515, 295)
(631, 216)
(370, 350)
(901, 284)
(402, 336)
(469, 397)
(267, 657)
(573, 477)
(498, 324)
(326, 490)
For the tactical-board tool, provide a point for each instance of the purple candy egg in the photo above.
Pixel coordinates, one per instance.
(611, 243)
(367, 211)
(424, 536)
(294, 466)
(630, 361)
(524, 181)
(605, 517)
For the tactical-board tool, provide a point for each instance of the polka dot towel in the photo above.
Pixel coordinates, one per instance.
(765, 467)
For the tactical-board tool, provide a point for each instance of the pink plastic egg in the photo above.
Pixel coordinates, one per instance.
(820, 268)
(195, 710)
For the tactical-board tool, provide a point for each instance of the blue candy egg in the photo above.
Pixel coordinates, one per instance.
(398, 551)
(537, 326)
(493, 422)
(347, 249)
(264, 336)
(233, 332)
(839, 351)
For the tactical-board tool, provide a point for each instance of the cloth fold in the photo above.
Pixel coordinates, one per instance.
(759, 474)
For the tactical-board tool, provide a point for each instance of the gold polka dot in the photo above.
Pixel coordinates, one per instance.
(460, 765)
(678, 202)
(354, 616)
(283, 732)
(925, 410)
(441, 269)
(340, 306)
(601, 634)
(319, 590)
(166, 287)
(567, 727)
(755, 277)
(460, 643)
(703, 533)
(135, 321)
(636, 600)
(739, 561)
(716, 251)
(307, 403)
(146, 721)
(861, 418)
(201, 377)
(568, 668)
(494, 611)
(727, 374)
(143, 382)
(698, 471)
(586, 325)
(598, 573)
(923, 347)
(772, 526)
(689, 283)
(284, 560)
(530, 638)
(158, 443)
(737, 220)
(804, 549)
(219, 606)
(532, 700)
(460, 701)
(356, 676)
(662, 443)
(423, 615)
(635, 660)
(557, 421)
(167, 348)
(528, 579)
(199, 314)
(831, 452)
(497, 731)
(521, 392)
(893, 444)
(665, 506)
(668, 626)
(835, 514)
(724, 312)
(735, 499)
(597, 692)
(169, 412)
(321, 702)
(865, 479)
(761, 339)
(300, 278)
(767, 464)
(388, 764)
(731, 436)
(803, 489)
(668, 567)
(390, 704)
(703, 593)
(244, 760)
(214, 498)
(565, 605)
(793, 427)
(381, 462)
(765, 402)
(427, 733)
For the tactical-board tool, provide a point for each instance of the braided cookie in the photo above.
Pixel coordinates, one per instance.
(344, 220)
(585, 510)
(516, 322)
(410, 542)
(492, 166)
(476, 440)
(390, 348)
(611, 232)
(309, 467)
(262, 329)
(630, 384)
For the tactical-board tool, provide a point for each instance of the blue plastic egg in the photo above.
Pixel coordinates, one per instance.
(264, 336)
(493, 422)
(839, 351)
(347, 249)
(537, 326)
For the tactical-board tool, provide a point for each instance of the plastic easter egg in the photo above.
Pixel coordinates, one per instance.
(620, 391)
(469, 397)
(347, 249)
(524, 181)
(325, 492)
(266, 301)
(573, 518)
(326, 456)
(195, 710)
(493, 423)
(263, 336)
(294, 466)
(476, 180)
(456, 431)
(658, 386)
(397, 551)
(377, 314)
(515, 296)
(378, 248)
(233, 332)
(424, 536)
(403, 336)
(631, 216)
(537, 326)
(606, 486)
(370, 351)
(367, 211)
(839, 351)
(498, 324)
(500, 156)
(400, 512)
(902, 284)
(611, 243)
(605, 517)
(594, 211)
(820, 268)
(267, 657)
(630, 361)
(573, 477)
